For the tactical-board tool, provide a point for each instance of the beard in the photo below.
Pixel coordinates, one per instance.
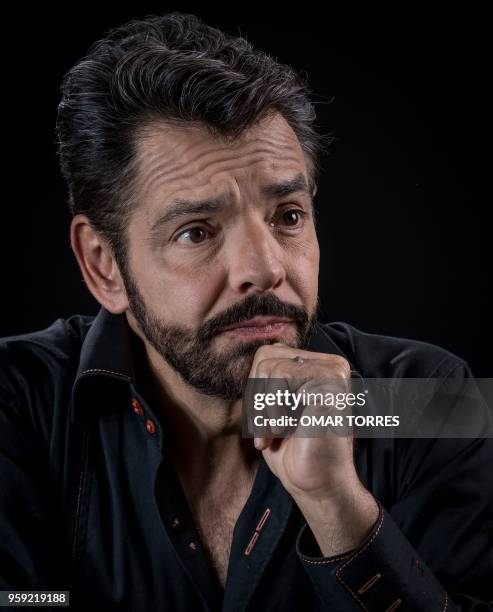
(219, 373)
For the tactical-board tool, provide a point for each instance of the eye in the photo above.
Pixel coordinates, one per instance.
(291, 218)
(192, 235)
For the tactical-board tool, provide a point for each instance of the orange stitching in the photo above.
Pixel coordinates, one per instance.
(106, 372)
(251, 544)
(370, 583)
(356, 556)
(325, 561)
(262, 521)
(394, 606)
(255, 536)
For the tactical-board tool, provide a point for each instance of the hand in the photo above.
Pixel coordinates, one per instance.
(318, 472)
(312, 466)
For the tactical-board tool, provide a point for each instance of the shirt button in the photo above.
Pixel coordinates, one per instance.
(150, 426)
(137, 406)
(176, 523)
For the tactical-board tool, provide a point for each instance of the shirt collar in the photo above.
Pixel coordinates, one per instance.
(105, 369)
(106, 349)
(107, 361)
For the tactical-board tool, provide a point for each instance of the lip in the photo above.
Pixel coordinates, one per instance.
(259, 327)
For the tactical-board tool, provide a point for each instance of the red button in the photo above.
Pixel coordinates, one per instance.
(151, 428)
(137, 406)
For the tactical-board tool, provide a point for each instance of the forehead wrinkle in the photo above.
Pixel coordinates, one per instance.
(162, 153)
(206, 162)
(148, 179)
(181, 193)
(225, 152)
(207, 151)
(152, 135)
(230, 163)
(218, 167)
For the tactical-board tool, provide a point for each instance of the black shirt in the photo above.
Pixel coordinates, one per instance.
(90, 502)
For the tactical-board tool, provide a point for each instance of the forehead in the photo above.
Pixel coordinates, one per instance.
(187, 160)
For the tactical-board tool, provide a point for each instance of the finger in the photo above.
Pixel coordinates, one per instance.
(271, 351)
(289, 368)
(324, 410)
(340, 367)
(262, 443)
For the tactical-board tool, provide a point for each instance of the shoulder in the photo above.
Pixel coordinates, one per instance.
(381, 356)
(35, 363)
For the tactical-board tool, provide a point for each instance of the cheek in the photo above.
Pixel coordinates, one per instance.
(308, 255)
(177, 291)
(303, 272)
(181, 296)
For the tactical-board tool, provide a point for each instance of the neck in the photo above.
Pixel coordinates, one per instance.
(205, 431)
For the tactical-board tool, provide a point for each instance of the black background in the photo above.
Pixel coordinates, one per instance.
(403, 199)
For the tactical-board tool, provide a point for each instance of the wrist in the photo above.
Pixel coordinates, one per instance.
(340, 522)
(343, 486)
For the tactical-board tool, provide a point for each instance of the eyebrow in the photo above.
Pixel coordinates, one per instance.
(285, 188)
(181, 208)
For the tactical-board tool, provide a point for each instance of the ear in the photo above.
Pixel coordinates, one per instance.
(98, 265)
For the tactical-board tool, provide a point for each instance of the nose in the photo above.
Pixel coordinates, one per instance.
(255, 258)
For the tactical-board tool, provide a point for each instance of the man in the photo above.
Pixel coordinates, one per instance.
(191, 161)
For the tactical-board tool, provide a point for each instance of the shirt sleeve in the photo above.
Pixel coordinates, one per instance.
(30, 545)
(430, 548)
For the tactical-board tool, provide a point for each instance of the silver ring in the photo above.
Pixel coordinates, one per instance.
(299, 359)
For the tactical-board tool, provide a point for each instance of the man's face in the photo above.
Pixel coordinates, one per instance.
(222, 251)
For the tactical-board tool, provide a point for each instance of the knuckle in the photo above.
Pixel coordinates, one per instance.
(262, 364)
(341, 372)
(341, 369)
(277, 370)
(263, 351)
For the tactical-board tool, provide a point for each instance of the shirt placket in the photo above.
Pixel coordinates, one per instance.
(183, 535)
(256, 535)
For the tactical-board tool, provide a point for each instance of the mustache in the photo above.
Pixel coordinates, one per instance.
(252, 306)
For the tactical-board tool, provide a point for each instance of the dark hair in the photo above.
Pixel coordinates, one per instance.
(174, 68)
